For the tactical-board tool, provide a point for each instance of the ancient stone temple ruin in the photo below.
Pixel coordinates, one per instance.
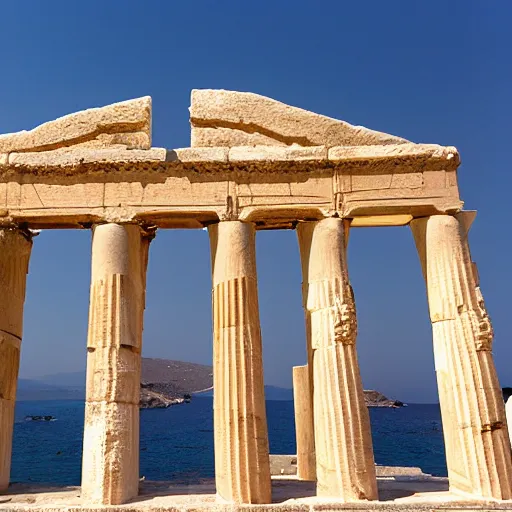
(253, 164)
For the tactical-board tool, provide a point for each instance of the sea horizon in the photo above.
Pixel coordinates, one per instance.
(177, 442)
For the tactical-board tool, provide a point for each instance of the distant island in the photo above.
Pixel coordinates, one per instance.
(373, 398)
(164, 383)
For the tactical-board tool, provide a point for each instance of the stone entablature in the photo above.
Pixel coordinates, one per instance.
(97, 166)
(271, 185)
(254, 164)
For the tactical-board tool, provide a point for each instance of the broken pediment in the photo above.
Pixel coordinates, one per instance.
(230, 118)
(124, 125)
(252, 158)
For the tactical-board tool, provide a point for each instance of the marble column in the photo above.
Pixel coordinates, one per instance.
(110, 469)
(15, 248)
(472, 408)
(344, 454)
(307, 431)
(242, 469)
(305, 434)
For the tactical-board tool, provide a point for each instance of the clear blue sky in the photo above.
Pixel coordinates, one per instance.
(435, 72)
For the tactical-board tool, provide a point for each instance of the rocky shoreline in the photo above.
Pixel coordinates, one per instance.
(164, 383)
(373, 398)
(153, 399)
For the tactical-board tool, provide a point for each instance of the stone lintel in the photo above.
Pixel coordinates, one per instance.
(277, 154)
(84, 159)
(272, 186)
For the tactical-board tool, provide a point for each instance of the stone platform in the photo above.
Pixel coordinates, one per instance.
(407, 489)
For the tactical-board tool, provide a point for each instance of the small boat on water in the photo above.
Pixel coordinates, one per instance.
(40, 418)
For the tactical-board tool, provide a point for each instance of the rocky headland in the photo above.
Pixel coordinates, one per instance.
(166, 383)
(373, 398)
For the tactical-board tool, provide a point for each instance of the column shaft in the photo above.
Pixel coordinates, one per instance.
(242, 469)
(344, 454)
(305, 434)
(472, 408)
(308, 466)
(508, 415)
(110, 470)
(15, 248)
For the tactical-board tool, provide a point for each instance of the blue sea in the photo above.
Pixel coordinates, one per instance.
(177, 443)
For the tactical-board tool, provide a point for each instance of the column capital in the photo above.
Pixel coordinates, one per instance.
(148, 232)
(227, 221)
(466, 219)
(94, 225)
(24, 231)
(230, 243)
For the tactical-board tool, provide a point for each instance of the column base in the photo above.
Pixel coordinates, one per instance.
(110, 468)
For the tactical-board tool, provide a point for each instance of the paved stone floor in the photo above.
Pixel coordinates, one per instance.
(405, 489)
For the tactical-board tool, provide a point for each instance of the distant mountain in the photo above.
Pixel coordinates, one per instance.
(175, 377)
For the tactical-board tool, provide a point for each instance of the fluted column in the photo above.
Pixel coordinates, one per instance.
(242, 469)
(344, 454)
(472, 408)
(110, 469)
(305, 433)
(15, 248)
